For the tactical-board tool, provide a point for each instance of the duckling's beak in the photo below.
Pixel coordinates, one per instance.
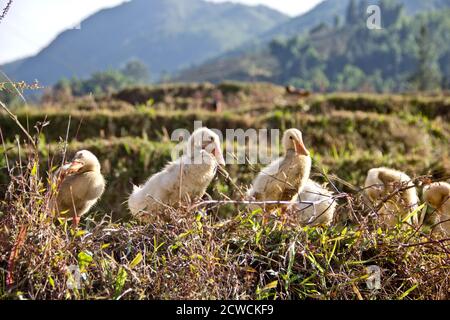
(300, 148)
(219, 157)
(75, 166)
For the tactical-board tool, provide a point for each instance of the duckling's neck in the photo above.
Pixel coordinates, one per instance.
(90, 169)
(201, 157)
(292, 153)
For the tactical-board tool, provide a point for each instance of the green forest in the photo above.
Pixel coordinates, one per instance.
(408, 54)
(404, 56)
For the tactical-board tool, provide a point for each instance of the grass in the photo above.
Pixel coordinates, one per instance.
(196, 255)
(339, 129)
(220, 251)
(126, 160)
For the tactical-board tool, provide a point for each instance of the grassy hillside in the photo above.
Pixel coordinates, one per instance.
(226, 252)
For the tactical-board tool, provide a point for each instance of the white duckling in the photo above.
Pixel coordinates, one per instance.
(383, 182)
(181, 181)
(81, 186)
(324, 208)
(437, 195)
(286, 177)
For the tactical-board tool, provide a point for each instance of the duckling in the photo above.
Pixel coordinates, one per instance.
(81, 187)
(437, 195)
(320, 214)
(286, 177)
(180, 181)
(381, 183)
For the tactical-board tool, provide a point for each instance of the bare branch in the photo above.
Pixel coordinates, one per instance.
(5, 10)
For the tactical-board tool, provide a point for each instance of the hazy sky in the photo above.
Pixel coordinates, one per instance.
(32, 24)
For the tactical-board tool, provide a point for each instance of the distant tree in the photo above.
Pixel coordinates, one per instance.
(256, 72)
(337, 22)
(279, 48)
(351, 78)
(428, 75)
(392, 11)
(106, 82)
(62, 91)
(319, 81)
(377, 82)
(305, 61)
(319, 28)
(99, 83)
(136, 71)
(353, 14)
(362, 10)
(286, 53)
(445, 71)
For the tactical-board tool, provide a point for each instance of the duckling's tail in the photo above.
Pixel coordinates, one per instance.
(136, 201)
(136, 188)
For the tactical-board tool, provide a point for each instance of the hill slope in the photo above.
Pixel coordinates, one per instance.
(326, 11)
(165, 34)
(347, 56)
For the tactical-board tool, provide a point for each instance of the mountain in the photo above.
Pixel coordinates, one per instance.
(164, 34)
(407, 54)
(337, 44)
(328, 10)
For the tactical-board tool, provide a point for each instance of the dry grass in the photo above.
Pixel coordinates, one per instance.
(199, 254)
(192, 254)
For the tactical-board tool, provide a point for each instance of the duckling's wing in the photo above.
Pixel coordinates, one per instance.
(263, 185)
(70, 194)
(78, 187)
(97, 185)
(289, 179)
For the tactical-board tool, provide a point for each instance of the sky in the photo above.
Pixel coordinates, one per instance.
(30, 25)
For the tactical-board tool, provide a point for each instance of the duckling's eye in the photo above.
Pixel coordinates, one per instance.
(212, 139)
(291, 138)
